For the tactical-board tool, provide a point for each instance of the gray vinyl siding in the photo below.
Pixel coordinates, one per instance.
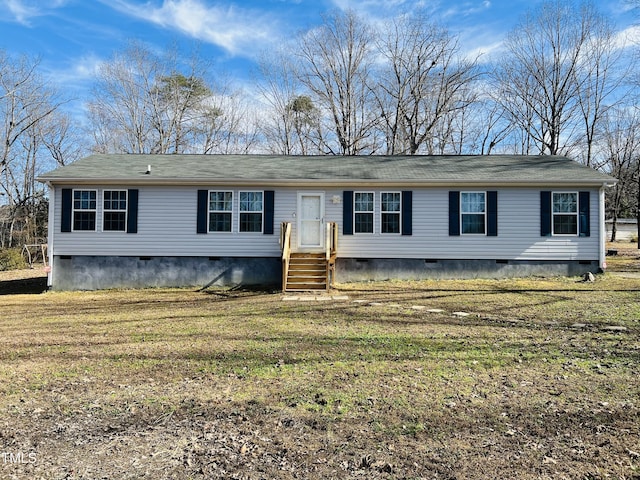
(518, 232)
(167, 227)
(167, 219)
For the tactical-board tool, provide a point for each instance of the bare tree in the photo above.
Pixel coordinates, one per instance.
(477, 129)
(123, 111)
(62, 138)
(227, 123)
(622, 141)
(517, 105)
(555, 76)
(139, 102)
(278, 87)
(29, 112)
(423, 86)
(146, 104)
(603, 68)
(292, 121)
(336, 62)
(486, 127)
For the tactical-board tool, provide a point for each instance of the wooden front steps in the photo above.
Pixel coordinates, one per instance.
(307, 271)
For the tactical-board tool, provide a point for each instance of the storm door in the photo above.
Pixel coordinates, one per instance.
(310, 220)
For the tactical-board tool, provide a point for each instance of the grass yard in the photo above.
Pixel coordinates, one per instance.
(540, 380)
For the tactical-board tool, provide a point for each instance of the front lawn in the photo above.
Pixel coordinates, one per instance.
(539, 380)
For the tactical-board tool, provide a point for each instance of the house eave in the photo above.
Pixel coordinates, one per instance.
(242, 182)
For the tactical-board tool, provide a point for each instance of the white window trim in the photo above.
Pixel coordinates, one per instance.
(474, 213)
(372, 212)
(209, 212)
(399, 213)
(240, 212)
(73, 209)
(576, 214)
(105, 210)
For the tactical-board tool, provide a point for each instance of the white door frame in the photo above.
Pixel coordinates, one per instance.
(319, 219)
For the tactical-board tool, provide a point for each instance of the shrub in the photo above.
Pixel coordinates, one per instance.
(633, 238)
(11, 259)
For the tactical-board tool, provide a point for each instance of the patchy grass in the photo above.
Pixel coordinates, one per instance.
(173, 383)
(627, 258)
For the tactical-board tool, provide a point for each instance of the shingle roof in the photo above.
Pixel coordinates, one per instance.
(278, 169)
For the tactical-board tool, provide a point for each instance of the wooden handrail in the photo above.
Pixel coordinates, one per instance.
(327, 242)
(285, 243)
(334, 245)
(285, 239)
(331, 250)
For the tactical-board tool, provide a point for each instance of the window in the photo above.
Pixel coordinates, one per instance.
(473, 212)
(363, 212)
(115, 211)
(84, 209)
(565, 213)
(390, 212)
(251, 211)
(220, 208)
(80, 211)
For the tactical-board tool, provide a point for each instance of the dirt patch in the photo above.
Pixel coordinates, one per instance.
(254, 441)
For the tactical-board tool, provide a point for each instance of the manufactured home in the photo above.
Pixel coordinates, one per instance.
(304, 222)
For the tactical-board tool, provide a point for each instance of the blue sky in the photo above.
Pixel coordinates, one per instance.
(72, 37)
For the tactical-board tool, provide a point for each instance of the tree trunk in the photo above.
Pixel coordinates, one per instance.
(614, 227)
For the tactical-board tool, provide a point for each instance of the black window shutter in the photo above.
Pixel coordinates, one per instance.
(454, 213)
(67, 202)
(583, 215)
(492, 214)
(545, 214)
(203, 199)
(132, 210)
(407, 212)
(269, 196)
(347, 212)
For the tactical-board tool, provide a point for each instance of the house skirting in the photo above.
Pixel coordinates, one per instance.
(358, 269)
(77, 272)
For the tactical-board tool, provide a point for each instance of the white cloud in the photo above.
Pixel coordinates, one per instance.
(481, 43)
(19, 10)
(236, 30)
(75, 75)
(484, 53)
(86, 67)
(379, 11)
(24, 10)
(466, 9)
(622, 7)
(372, 5)
(628, 37)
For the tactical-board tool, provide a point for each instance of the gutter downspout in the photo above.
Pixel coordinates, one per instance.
(602, 229)
(50, 232)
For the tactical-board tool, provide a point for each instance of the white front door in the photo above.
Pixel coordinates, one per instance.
(310, 219)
